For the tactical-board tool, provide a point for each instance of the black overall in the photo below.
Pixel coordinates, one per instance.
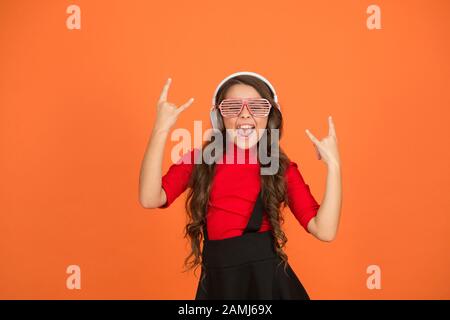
(247, 266)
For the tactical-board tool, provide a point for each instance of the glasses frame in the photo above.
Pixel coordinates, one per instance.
(244, 101)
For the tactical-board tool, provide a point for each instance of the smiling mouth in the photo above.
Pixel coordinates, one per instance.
(245, 130)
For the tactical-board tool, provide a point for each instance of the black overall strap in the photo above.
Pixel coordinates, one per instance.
(255, 221)
(205, 231)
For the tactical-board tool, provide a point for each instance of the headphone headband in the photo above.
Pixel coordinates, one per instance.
(245, 73)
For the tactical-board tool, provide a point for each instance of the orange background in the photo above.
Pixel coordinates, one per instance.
(77, 108)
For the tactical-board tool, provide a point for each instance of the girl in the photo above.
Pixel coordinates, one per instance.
(231, 206)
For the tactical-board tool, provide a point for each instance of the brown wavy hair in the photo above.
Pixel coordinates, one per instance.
(273, 187)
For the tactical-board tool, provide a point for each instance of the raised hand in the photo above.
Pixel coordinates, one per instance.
(167, 112)
(327, 148)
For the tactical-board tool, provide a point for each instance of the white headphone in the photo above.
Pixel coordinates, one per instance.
(214, 113)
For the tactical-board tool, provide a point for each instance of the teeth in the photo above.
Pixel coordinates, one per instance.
(246, 126)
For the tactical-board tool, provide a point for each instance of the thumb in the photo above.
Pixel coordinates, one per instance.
(186, 105)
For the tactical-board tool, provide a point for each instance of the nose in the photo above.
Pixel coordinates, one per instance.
(245, 113)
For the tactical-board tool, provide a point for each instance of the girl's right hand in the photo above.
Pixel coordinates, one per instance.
(167, 112)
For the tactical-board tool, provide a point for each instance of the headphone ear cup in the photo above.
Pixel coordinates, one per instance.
(214, 121)
(279, 107)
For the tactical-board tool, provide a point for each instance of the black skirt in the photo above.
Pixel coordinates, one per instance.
(247, 267)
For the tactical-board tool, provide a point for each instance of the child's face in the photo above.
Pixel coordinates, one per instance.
(249, 137)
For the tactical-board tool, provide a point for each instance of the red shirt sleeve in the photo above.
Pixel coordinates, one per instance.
(301, 201)
(176, 179)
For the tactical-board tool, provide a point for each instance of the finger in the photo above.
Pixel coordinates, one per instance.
(165, 90)
(185, 106)
(331, 128)
(312, 137)
(317, 152)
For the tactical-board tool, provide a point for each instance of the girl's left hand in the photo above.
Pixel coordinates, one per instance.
(327, 148)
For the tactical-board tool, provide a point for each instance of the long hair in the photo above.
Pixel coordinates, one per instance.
(273, 186)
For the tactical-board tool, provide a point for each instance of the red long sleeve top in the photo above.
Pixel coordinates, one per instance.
(234, 190)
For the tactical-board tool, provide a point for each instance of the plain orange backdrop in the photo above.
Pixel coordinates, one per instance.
(77, 108)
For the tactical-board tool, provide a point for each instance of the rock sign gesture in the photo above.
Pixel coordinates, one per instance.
(327, 148)
(167, 113)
